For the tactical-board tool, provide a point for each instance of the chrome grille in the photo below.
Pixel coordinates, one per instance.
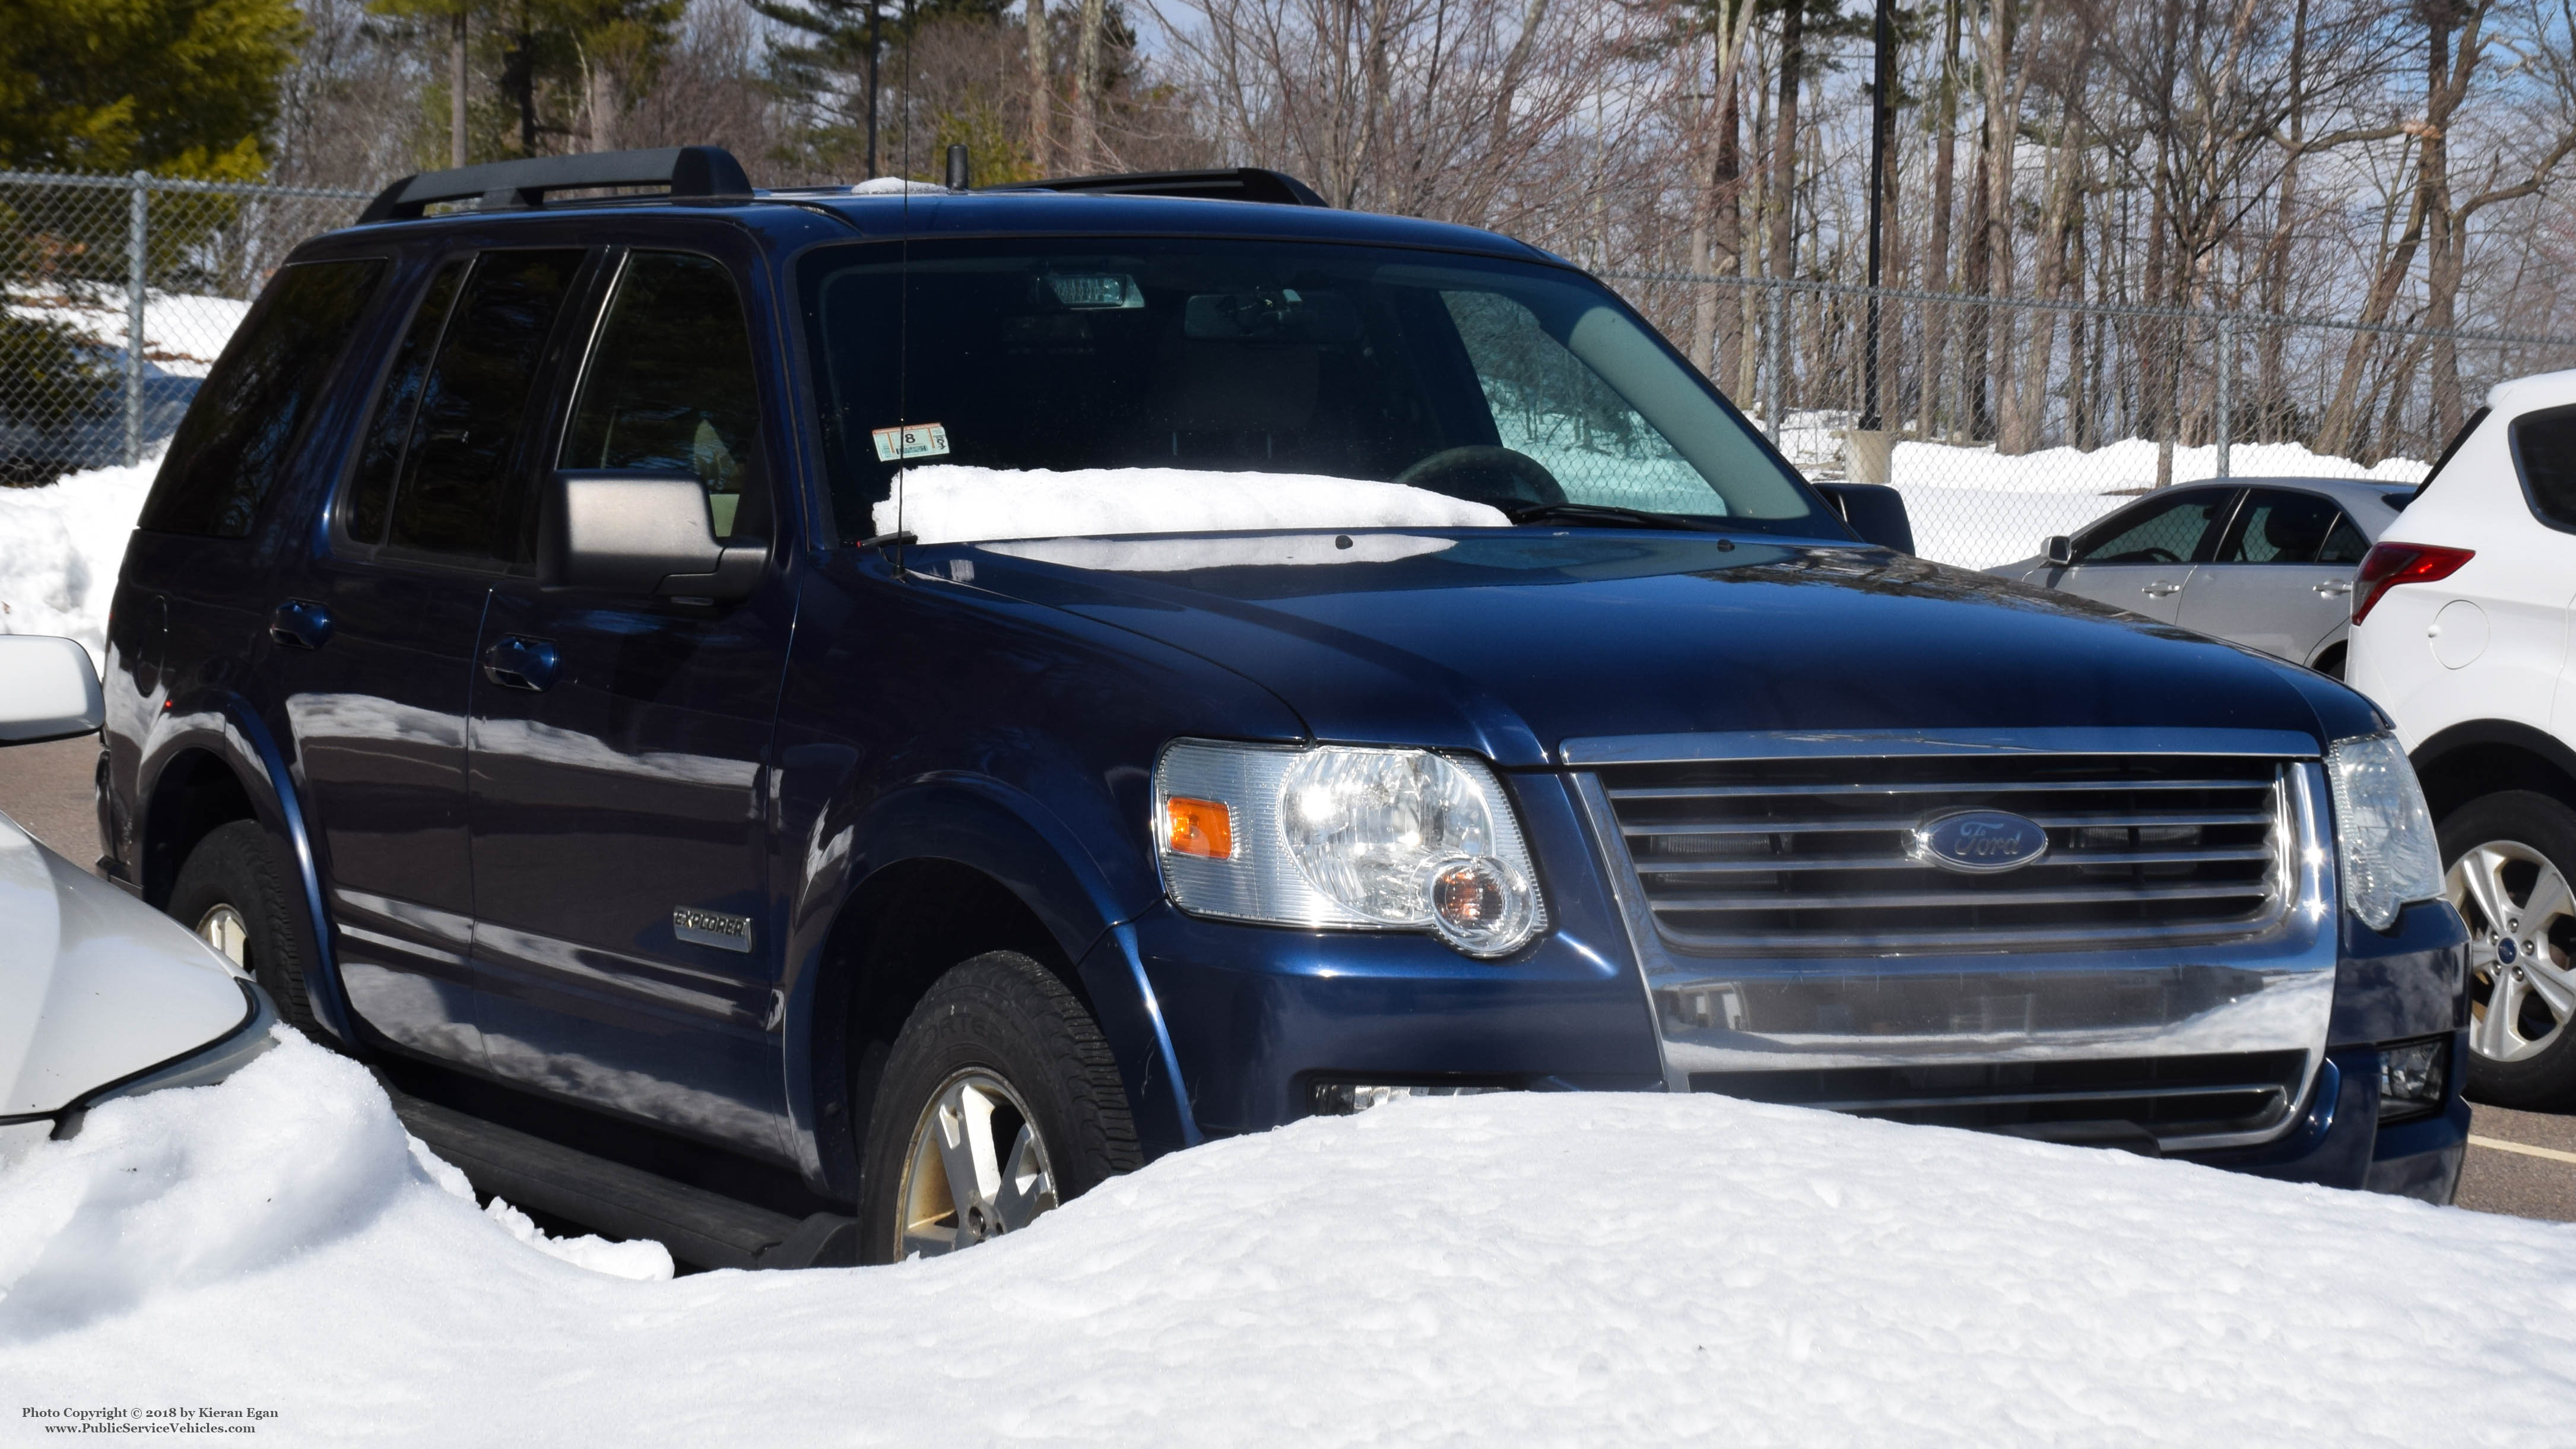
(1811, 856)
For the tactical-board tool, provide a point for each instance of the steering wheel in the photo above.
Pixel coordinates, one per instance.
(1482, 474)
(2159, 556)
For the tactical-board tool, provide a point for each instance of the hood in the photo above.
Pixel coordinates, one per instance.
(94, 985)
(1508, 642)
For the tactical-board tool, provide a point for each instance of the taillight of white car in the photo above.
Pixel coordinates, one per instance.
(2389, 564)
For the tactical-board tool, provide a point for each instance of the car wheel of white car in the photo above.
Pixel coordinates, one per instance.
(234, 892)
(998, 1101)
(2512, 856)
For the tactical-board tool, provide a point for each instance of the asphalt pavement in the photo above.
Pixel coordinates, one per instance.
(2523, 1163)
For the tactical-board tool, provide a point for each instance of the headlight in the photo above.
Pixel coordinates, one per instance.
(1340, 836)
(2383, 832)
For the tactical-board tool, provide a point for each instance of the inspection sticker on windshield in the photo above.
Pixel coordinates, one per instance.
(916, 440)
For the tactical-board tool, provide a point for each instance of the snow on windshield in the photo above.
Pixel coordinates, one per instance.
(953, 503)
(1559, 1268)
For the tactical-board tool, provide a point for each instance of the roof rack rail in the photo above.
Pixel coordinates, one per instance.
(1242, 183)
(689, 171)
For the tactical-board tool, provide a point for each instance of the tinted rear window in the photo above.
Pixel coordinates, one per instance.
(242, 429)
(2544, 447)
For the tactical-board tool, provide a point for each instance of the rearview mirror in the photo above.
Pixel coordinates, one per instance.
(48, 691)
(1270, 315)
(2060, 550)
(1875, 511)
(642, 533)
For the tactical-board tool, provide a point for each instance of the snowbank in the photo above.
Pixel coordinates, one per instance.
(193, 1189)
(1558, 1269)
(60, 548)
(952, 503)
(1973, 508)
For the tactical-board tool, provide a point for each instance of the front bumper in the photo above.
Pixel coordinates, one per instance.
(1256, 1017)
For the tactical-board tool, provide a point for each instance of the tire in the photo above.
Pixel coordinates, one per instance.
(238, 868)
(998, 1045)
(2509, 853)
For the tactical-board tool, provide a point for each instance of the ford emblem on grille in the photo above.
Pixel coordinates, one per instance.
(1979, 842)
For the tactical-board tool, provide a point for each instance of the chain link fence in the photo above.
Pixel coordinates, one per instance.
(2002, 420)
(2006, 420)
(120, 292)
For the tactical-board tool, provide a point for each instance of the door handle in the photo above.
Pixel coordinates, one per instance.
(521, 663)
(2333, 588)
(300, 624)
(2161, 589)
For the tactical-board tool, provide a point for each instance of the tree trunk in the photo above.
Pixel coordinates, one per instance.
(1783, 196)
(2003, 133)
(1042, 90)
(456, 91)
(1784, 142)
(2026, 405)
(2442, 239)
(1936, 252)
(1975, 268)
(1086, 87)
(2272, 420)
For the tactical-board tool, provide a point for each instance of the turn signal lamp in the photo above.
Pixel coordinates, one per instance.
(1204, 828)
(2389, 564)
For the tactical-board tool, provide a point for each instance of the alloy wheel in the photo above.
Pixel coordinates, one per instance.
(977, 1168)
(223, 928)
(2522, 948)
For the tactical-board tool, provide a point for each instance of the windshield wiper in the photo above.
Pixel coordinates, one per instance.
(1608, 513)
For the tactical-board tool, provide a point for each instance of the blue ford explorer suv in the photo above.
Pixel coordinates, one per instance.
(819, 725)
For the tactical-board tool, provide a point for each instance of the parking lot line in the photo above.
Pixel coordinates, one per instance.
(2500, 1145)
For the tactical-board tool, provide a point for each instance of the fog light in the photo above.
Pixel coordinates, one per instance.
(1480, 905)
(2414, 1079)
(1341, 1099)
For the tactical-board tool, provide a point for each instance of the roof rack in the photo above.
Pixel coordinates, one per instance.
(689, 171)
(1243, 183)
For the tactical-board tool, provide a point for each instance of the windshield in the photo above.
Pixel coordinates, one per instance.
(1086, 386)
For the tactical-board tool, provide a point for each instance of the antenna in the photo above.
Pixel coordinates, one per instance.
(903, 301)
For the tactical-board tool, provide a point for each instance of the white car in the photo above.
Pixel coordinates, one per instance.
(2460, 626)
(100, 995)
(2263, 562)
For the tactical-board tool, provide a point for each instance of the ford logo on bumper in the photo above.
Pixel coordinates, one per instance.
(1978, 842)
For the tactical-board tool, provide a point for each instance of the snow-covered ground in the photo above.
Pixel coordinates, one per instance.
(183, 333)
(1554, 1269)
(1976, 508)
(60, 548)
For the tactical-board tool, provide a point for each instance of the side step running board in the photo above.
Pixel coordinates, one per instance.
(702, 1228)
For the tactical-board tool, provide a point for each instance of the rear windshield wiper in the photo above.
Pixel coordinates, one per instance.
(1608, 513)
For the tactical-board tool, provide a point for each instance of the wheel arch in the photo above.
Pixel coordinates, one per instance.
(2481, 757)
(940, 870)
(214, 762)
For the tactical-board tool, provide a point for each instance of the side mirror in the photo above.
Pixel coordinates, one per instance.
(642, 533)
(2060, 551)
(1875, 511)
(48, 691)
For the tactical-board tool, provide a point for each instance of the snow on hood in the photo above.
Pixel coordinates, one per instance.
(1560, 1268)
(953, 503)
(1182, 555)
(94, 985)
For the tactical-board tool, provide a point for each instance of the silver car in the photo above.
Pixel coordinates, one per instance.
(2263, 562)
